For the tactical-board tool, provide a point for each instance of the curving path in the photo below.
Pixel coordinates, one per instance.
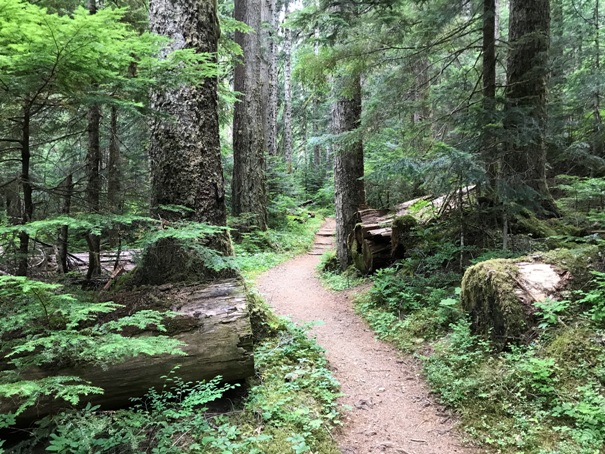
(390, 408)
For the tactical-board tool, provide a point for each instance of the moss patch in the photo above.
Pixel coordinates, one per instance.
(265, 324)
(488, 295)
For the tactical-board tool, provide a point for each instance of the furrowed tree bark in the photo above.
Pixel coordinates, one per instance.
(269, 55)
(348, 167)
(184, 149)
(249, 193)
(524, 163)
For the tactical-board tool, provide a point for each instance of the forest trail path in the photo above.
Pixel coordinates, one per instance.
(391, 411)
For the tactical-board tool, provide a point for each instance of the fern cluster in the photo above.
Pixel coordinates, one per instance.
(44, 328)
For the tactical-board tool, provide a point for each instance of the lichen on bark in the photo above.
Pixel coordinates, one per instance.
(184, 151)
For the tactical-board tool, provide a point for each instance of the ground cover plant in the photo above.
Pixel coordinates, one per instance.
(289, 406)
(544, 396)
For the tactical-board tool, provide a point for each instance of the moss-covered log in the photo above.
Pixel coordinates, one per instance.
(500, 295)
(212, 321)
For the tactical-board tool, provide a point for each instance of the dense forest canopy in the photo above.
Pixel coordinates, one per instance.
(443, 103)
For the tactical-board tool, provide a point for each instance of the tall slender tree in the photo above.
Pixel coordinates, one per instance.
(288, 137)
(93, 177)
(249, 193)
(524, 162)
(488, 148)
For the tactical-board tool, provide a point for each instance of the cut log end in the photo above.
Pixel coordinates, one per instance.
(500, 295)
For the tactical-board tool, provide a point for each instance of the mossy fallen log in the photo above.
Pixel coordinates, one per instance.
(500, 295)
(212, 321)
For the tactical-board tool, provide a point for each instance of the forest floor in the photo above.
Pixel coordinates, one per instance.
(387, 406)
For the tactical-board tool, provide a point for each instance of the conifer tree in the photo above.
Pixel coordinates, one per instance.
(185, 156)
(249, 193)
(524, 161)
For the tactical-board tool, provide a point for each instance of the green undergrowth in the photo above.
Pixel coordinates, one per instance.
(258, 251)
(545, 397)
(331, 276)
(290, 407)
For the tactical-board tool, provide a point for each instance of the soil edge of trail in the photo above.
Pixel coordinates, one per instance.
(387, 406)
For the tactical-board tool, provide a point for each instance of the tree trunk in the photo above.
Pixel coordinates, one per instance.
(184, 151)
(68, 188)
(212, 321)
(26, 187)
(380, 237)
(269, 54)
(115, 199)
(93, 187)
(316, 147)
(489, 149)
(597, 141)
(524, 164)
(348, 168)
(249, 193)
(288, 140)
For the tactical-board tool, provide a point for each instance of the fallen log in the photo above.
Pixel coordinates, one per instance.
(500, 294)
(379, 230)
(212, 321)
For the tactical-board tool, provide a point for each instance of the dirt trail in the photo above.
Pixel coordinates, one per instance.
(391, 410)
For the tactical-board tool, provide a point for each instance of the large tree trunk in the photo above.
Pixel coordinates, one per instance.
(348, 168)
(524, 163)
(249, 193)
(269, 75)
(184, 151)
(212, 320)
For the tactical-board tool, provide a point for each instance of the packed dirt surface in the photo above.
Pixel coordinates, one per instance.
(390, 407)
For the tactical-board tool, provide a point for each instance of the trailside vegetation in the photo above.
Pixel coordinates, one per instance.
(519, 356)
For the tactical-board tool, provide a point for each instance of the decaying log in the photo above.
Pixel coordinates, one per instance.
(500, 295)
(381, 237)
(214, 323)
